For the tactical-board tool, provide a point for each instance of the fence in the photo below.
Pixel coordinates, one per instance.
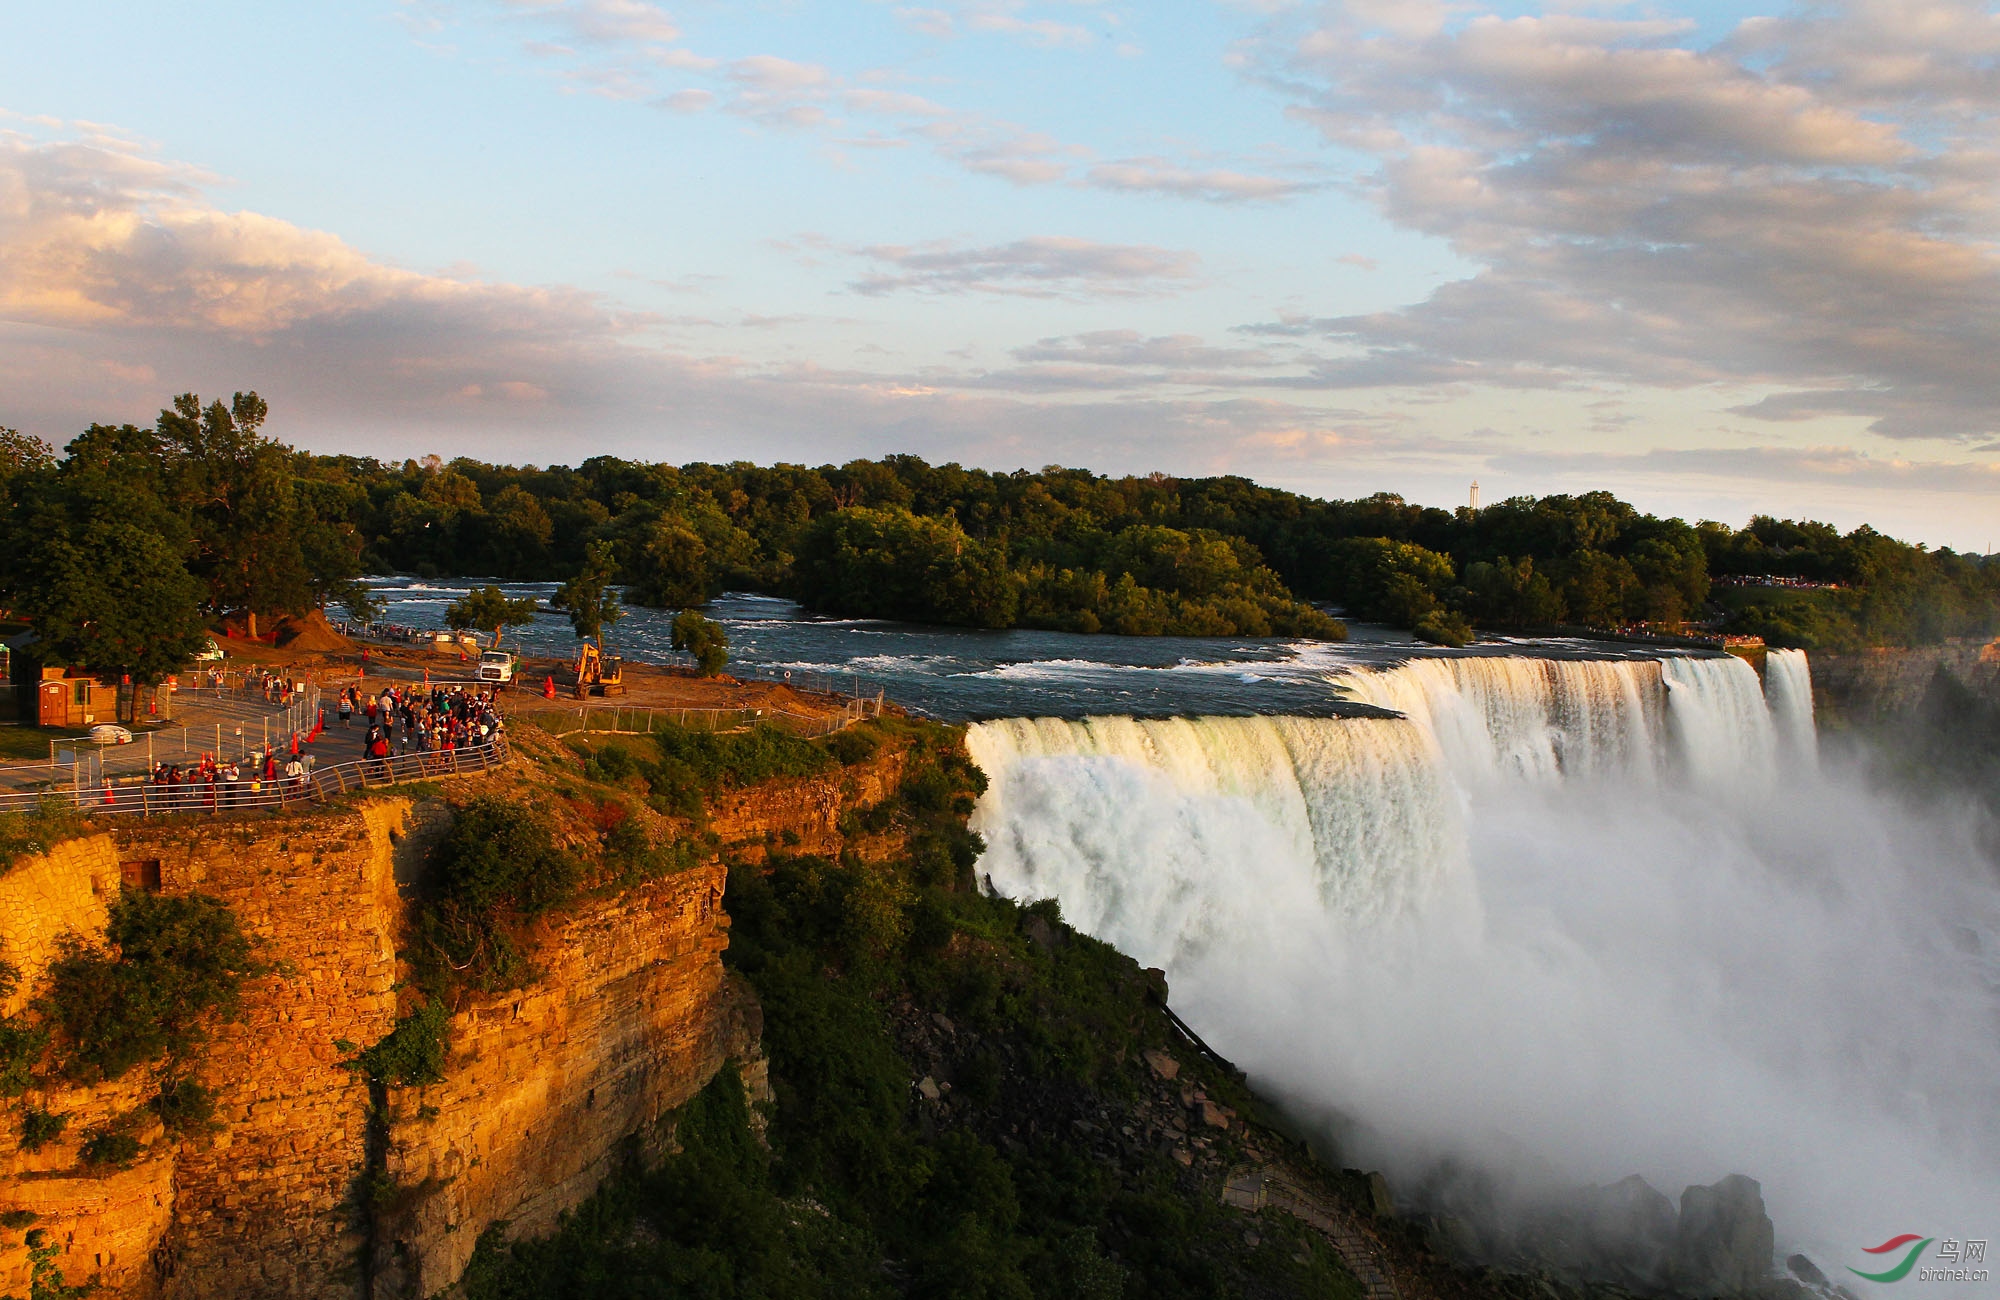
(640, 720)
(81, 762)
(142, 797)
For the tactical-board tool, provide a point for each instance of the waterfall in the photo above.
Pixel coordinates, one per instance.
(1587, 918)
(1788, 687)
(1348, 816)
(1495, 718)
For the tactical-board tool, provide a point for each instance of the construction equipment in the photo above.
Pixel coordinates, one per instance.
(598, 673)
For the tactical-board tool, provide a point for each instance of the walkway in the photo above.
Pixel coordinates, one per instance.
(1273, 1186)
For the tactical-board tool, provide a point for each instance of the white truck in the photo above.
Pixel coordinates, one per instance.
(496, 666)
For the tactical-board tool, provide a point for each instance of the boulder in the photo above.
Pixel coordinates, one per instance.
(1629, 1233)
(1166, 1067)
(1808, 1272)
(1725, 1241)
(1379, 1200)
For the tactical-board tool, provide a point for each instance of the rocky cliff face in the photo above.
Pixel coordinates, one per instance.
(259, 1207)
(544, 1086)
(1871, 687)
(631, 1017)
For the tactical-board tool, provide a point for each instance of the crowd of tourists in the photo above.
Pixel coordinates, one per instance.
(215, 782)
(435, 722)
(438, 720)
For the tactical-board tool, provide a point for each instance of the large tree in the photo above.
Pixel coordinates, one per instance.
(100, 568)
(589, 598)
(236, 488)
(489, 609)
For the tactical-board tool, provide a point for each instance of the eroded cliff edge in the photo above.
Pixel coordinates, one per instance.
(311, 1181)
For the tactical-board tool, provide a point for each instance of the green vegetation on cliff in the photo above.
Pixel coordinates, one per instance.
(961, 1106)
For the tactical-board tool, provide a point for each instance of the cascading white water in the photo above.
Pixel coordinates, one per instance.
(1788, 688)
(1585, 918)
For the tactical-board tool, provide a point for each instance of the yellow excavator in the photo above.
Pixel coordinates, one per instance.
(598, 673)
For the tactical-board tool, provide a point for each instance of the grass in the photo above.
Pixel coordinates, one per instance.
(22, 744)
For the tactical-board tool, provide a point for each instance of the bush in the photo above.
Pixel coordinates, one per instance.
(21, 1041)
(40, 1127)
(498, 865)
(174, 963)
(704, 639)
(15, 1220)
(414, 1051)
(111, 1146)
(500, 855)
(25, 834)
(184, 1107)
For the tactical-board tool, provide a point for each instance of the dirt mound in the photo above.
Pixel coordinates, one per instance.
(310, 634)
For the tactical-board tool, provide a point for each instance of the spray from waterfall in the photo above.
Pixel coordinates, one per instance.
(1564, 922)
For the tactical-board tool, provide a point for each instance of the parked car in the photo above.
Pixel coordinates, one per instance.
(210, 653)
(105, 733)
(496, 666)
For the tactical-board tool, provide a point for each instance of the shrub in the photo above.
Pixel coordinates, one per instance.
(704, 639)
(40, 1127)
(500, 855)
(21, 1041)
(414, 1051)
(111, 1146)
(15, 1220)
(28, 833)
(174, 963)
(854, 745)
(184, 1107)
(498, 865)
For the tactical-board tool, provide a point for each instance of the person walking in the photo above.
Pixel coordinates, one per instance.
(346, 705)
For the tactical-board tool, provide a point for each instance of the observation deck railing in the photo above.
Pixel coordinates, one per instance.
(140, 796)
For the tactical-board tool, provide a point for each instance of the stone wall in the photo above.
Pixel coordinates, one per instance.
(259, 1208)
(66, 890)
(631, 1018)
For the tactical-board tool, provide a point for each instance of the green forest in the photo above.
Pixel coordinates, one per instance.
(134, 540)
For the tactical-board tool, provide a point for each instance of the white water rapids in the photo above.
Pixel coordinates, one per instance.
(1565, 921)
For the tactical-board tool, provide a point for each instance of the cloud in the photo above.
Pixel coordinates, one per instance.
(1807, 205)
(1827, 466)
(1177, 180)
(1131, 348)
(629, 50)
(120, 283)
(693, 100)
(1003, 18)
(1042, 267)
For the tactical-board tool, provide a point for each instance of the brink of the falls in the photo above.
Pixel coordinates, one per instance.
(1561, 923)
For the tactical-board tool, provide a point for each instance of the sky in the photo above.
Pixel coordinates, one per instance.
(1719, 258)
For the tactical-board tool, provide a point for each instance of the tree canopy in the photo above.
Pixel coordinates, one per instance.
(1056, 548)
(130, 544)
(489, 609)
(589, 598)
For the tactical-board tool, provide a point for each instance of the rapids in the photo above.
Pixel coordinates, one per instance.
(1562, 922)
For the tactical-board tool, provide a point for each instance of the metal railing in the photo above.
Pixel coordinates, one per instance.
(144, 797)
(80, 761)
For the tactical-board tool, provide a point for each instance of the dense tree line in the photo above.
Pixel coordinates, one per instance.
(124, 551)
(204, 502)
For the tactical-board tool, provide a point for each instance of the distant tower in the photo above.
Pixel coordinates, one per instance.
(1475, 496)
